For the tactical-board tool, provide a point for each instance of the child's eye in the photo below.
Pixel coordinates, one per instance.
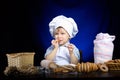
(56, 33)
(62, 33)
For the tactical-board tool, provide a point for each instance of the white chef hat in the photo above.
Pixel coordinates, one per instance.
(67, 23)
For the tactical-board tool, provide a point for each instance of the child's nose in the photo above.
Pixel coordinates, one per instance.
(59, 37)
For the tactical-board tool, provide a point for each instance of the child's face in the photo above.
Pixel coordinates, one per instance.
(61, 35)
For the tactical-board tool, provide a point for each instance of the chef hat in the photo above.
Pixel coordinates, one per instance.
(67, 23)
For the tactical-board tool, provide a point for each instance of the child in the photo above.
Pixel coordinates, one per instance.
(62, 52)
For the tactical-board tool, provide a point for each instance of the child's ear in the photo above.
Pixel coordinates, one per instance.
(69, 38)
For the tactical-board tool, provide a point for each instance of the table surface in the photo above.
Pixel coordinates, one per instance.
(96, 74)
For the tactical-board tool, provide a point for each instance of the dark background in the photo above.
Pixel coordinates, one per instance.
(24, 25)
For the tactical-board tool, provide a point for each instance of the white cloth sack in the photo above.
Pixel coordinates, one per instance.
(103, 47)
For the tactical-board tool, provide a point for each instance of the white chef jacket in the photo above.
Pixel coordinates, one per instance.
(62, 56)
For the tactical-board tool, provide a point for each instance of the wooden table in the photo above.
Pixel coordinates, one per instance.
(93, 75)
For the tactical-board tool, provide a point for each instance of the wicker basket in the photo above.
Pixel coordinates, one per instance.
(20, 59)
(113, 66)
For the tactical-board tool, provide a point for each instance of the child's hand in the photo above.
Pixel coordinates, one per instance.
(70, 48)
(55, 43)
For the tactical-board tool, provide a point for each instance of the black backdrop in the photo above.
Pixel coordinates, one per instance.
(18, 32)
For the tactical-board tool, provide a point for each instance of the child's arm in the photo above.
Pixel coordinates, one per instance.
(73, 58)
(54, 51)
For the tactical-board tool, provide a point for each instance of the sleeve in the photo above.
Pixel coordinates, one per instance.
(49, 49)
(76, 52)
